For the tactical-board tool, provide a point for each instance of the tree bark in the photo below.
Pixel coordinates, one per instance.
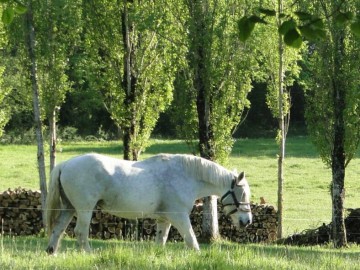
(30, 43)
(200, 51)
(338, 154)
(129, 85)
(52, 124)
(210, 226)
(281, 121)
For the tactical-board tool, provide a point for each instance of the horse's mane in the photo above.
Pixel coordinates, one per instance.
(206, 170)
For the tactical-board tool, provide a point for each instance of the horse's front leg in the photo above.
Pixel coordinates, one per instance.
(182, 223)
(162, 232)
(62, 222)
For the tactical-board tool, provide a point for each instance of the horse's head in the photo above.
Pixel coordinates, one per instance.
(236, 202)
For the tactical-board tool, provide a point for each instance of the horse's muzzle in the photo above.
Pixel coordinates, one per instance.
(245, 222)
(50, 250)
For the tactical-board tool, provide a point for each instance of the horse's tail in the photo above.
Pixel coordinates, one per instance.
(53, 201)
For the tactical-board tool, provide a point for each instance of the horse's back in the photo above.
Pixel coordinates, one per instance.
(152, 185)
(118, 184)
(91, 175)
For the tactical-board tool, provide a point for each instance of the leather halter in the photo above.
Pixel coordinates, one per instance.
(235, 202)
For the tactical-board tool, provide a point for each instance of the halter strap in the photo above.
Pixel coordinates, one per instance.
(235, 203)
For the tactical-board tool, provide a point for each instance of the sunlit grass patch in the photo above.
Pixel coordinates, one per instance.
(307, 202)
(28, 253)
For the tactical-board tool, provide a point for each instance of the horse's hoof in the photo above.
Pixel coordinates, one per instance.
(50, 250)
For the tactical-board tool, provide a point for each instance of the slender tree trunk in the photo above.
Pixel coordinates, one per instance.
(338, 154)
(281, 120)
(210, 228)
(129, 84)
(52, 124)
(30, 43)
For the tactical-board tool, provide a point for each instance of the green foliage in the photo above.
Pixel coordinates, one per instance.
(11, 8)
(322, 81)
(8, 16)
(292, 38)
(268, 35)
(355, 26)
(225, 69)
(152, 64)
(5, 109)
(57, 32)
(183, 108)
(57, 29)
(246, 26)
(298, 24)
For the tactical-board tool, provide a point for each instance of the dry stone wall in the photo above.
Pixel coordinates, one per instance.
(20, 214)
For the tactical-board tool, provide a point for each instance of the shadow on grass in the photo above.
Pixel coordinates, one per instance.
(295, 147)
(106, 148)
(116, 148)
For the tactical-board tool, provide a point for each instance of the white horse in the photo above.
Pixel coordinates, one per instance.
(163, 187)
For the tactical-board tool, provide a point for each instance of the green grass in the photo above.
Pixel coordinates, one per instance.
(27, 253)
(307, 205)
(307, 201)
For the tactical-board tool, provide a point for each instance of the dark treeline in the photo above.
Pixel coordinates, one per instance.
(88, 117)
(258, 120)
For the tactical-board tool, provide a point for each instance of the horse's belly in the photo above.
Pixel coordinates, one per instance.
(132, 206)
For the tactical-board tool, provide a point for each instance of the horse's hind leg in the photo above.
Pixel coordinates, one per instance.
(162, 232)
(62, 222)
(82, 229)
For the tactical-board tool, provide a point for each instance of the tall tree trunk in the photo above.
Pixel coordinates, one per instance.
(282, 125)
(129, 85)
(30, 43)
(210, 227)
(204, 104)
(338, 154)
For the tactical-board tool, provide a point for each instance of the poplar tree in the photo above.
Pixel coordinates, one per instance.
(131, 64)
(333, 98)
(220, 74)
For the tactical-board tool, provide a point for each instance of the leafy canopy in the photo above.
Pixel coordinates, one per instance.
(297, 25)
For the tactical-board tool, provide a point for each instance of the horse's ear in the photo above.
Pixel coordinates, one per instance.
(240, 177)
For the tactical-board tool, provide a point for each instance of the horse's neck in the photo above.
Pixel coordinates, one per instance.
(204, 169)
(207, 189)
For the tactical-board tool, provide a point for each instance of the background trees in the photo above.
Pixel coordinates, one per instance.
(121, 64)
(131, 65)
(333, 113)
(4, 108)
(58, 27)
(220, 74)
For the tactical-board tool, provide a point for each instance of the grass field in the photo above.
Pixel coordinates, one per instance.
(306, 190)
(307, 204)
(27, 253)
